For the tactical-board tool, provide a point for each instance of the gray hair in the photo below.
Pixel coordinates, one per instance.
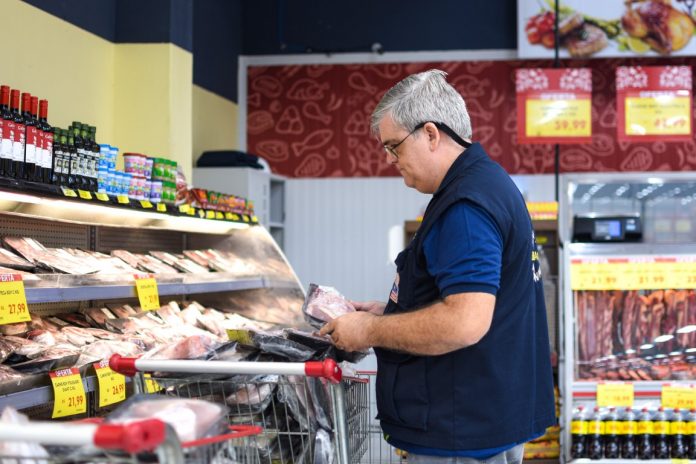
(422, 97)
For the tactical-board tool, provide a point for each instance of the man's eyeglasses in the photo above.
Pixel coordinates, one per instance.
(391, 149)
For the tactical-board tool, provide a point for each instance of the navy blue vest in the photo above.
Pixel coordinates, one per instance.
(500, 390)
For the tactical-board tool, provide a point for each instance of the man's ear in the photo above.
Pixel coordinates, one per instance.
(433, 134)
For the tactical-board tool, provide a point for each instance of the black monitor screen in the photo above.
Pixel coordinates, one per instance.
(608, 228)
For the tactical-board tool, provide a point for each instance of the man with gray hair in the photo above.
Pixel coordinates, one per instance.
(463, 362)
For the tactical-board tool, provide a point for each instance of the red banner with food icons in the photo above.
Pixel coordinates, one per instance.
(607, 28)
(554, 105)
(653, 103)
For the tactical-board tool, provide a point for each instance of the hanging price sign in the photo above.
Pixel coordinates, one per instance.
(554, 105)
(151, 386)
(614, 394)
(13, 300)
(69, 393)
(146, 287)
(653, 103)
(678, 397)
(112, 385)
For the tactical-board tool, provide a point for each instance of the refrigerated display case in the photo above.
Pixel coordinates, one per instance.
(628, 310)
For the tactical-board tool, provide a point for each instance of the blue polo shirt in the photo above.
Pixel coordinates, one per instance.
(463, 251)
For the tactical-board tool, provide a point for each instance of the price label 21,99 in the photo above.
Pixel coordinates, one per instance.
(147, 293)
(69, 393)
(112, 385)
(13, 300)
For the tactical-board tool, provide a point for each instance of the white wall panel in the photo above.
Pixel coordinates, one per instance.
(338, 230)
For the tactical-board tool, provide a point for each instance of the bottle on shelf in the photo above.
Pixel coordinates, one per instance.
(691, 434)
(81, 169)
(40, 141)
(7, 135)
(661, 434)
(644, 435)
(595, 433)
(677, 429)
(57, 177)
(92, 158)
(47, 147)
(19, 134)
(75, 179)
(30, 139)
(629, 429)
(611, 434)
(578, 431)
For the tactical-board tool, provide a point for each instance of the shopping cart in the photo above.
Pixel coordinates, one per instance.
(300, 406)
(148, 440)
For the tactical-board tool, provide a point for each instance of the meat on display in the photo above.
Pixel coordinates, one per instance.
(635, 334)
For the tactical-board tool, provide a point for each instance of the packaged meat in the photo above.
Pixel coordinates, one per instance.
(195, 347)
(24, 347)
(30, 249)
(78, 336)
(275, 343)
(170, 316)
(104, 349)
(126, 256)
(191, 315)
(12, 261)
(253, 396)
(192, 419)
(198, 257)
(180, 262)
(52, 359)
(124, 311)
(6, 349)
(98, 316)
(323, 448)
(323, 304)
(42, 336)
(7, 374)
(14, 329)
(26, 276)
(122, 325)
(102, 334)
(34, 452)
(76, 319)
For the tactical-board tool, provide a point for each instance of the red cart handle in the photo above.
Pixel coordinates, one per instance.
(125, 366)
(327, 369)
(132, 438)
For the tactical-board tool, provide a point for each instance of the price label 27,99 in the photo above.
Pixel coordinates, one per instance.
(13, 300)
(69, 393)
(112, 385)
(147, 293)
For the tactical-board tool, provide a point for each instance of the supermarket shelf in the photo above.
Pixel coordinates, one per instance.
(83, 292)
(645, 389)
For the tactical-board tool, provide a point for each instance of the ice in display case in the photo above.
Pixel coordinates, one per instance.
(628, 309)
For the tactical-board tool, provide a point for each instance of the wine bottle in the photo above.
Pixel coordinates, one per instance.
(19, 134)
(47, 151)
(30, 139)
(7, 130)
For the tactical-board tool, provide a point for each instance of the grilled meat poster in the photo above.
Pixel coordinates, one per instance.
(607, 28)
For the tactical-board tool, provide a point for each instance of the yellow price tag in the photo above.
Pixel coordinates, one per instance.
(68, 392)
(660, 115)
(69, 192)
(614, 394)
(228, 216)
(183, 209)
(678, 397)
(201, 213)
(161, 207)
(123, 199)
(558, 118)
(84, 194)
(151, 386)
(245, 218)
(102, 196)
(147, 293)
(13, 300)
(679, 461)
(241, 336)
(112, 385)
(235, 217)
(191, 212)
(254, 219)
(145, 204)
(209, 214)
(219, 215)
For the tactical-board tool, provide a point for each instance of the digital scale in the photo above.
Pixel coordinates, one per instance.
(601, 228)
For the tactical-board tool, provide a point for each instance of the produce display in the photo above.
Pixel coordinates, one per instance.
(635, 335)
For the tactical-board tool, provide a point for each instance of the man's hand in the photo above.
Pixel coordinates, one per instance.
(374, 307)
(351, 332)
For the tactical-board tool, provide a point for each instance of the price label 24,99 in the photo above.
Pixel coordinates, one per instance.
(13, 300)
(147, 293)
(69, 393)
(112, 385)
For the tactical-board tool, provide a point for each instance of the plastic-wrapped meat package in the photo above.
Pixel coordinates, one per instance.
(76, 319)
(6, 349)
(124, 326)
(7, 374)
(103, 334)
(213, 321)
(275, 343)
(170, 315)
(78, 336)
(323, 448)
(14, 329)
(123, 312)
(293, 392)
(26, 276)
(13, 261)
(99, 316)
(41, 336)
(254, 396)
(55, 357)
(191, 315)
(324, 304)
(32, 451)
(321, 401)
(237, 321)
(161, 335)
(104, 349)
(24, 347)
(191, 419)
(195, 347)
(63, 261)
(179, 262)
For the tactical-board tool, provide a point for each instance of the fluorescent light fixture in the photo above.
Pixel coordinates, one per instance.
(630, 351)
(675, 353)
(663, 338)
(691, 350)
(647, 346)
(660, 356)
(686, 329)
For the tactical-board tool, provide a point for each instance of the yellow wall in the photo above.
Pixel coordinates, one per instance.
(214, 122)
(71, 68)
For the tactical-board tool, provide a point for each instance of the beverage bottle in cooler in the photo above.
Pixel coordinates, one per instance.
(690, 434)
(611, 435)
(677, 428)
(628, 434)
(661, 426)
(19, 136)
(47, 155)
(7, 134)
(30, 138)
(578, 434)
(645, 435)
(595, 432)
